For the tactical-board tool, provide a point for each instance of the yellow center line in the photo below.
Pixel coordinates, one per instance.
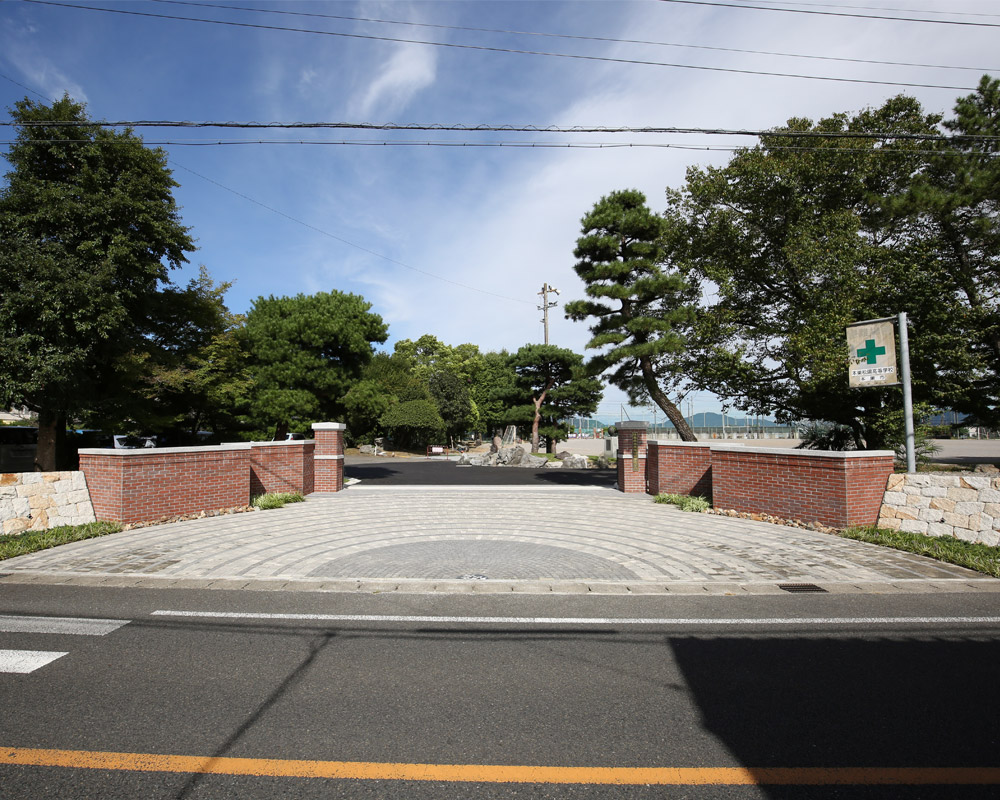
(485, 773)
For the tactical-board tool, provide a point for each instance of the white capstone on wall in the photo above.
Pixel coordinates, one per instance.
(37, 501)
(963, 505)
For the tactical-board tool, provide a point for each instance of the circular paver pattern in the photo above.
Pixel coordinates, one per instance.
(465, 559)
(483, 536)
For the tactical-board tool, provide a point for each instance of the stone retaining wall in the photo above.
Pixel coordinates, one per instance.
(37, 501)
(963, 505)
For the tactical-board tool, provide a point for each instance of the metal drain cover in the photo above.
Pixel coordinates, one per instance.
(801, 587)
(473, 577)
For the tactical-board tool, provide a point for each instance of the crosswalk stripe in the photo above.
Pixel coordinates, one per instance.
(25, 661)
(77, 626)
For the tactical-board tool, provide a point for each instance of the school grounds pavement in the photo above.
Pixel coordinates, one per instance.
(541, 537)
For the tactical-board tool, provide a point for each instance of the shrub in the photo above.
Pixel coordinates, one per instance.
(685, 502)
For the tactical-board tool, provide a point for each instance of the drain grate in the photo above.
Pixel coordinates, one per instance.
(473, 577)
(801, 587)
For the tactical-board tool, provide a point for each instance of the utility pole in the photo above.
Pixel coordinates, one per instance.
(546, 305)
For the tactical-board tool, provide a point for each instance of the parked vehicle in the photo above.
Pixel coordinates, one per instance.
(132, 442)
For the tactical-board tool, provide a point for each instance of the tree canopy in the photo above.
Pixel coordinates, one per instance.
(88, 232)
(551, 384)
(790, 244)
(306, 352)
(640, 307)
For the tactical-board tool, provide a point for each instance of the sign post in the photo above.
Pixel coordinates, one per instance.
(871, 347)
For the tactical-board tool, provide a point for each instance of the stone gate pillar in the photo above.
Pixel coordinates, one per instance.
(329, 456)
(631, 456)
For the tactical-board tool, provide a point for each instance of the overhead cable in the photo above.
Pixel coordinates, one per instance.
(833, 13)
(484, 48)
(505, 128)
(575, 37)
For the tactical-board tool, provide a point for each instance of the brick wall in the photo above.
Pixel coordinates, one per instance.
(329, 456)
(282, 467)
(146, 484)
(631, 456)
(836, 489)
(679, 468)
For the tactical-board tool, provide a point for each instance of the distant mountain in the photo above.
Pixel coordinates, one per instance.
(709, 419)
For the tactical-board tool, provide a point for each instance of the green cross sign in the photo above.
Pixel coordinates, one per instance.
(870, 351)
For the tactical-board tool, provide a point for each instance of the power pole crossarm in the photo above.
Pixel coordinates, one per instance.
(546, 305)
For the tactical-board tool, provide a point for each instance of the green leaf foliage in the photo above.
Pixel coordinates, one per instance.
(789, 244)
(415, 423)
(551, 384)
(641, 308)
(88, 232)
(306, 352)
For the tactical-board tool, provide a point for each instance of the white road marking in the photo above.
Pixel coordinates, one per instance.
(588, 620)
(77, 626)
(25, 661)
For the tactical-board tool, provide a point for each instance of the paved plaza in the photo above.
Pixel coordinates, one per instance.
(495, 539)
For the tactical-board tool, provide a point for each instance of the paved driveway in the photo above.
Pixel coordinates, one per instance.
(494, 539)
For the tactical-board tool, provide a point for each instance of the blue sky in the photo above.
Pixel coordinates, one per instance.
(457, 241)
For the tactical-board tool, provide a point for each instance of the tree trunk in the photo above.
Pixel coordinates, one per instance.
(50, 455)
(660, 398)
(280, 431)
(535, 422)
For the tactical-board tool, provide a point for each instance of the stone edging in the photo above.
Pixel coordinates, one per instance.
(962, 505)
(37, 501)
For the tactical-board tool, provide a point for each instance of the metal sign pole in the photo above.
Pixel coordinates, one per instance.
(904, 355)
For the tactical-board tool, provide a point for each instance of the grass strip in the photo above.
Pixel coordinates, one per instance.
(979, 557)
(685, 502)
(275, 500)
(19, 544)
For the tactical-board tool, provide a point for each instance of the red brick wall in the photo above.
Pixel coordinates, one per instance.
(679, 468)
(143, 485)
(329, 456)
(631, 465)
(282, 467)
(836, 489)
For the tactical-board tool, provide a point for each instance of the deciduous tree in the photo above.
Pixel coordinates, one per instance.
(88, 232)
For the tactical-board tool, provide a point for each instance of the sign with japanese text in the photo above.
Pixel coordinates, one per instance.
(871, 350)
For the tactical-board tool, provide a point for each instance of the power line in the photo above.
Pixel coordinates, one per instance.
(347, 241)
(503, 128)
(299, 221)
(872, 8)
(833, 13)
(883, 8)
(570, 36)
(526, 145)
(484, 48)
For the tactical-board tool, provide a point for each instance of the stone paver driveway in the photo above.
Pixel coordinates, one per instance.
(495, 539)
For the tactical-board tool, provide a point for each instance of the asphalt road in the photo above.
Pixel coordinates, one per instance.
(810, 684)
(417, 471)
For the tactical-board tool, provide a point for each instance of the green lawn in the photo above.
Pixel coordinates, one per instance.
(31, 541)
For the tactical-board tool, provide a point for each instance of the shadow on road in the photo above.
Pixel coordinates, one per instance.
(921, 701)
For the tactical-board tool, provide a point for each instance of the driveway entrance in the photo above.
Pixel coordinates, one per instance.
(415, 471)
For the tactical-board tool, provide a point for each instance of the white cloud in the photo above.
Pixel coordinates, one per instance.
(41, 74)
(411, 69)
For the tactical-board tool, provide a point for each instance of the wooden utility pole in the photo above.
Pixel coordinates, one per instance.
(546, 305)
